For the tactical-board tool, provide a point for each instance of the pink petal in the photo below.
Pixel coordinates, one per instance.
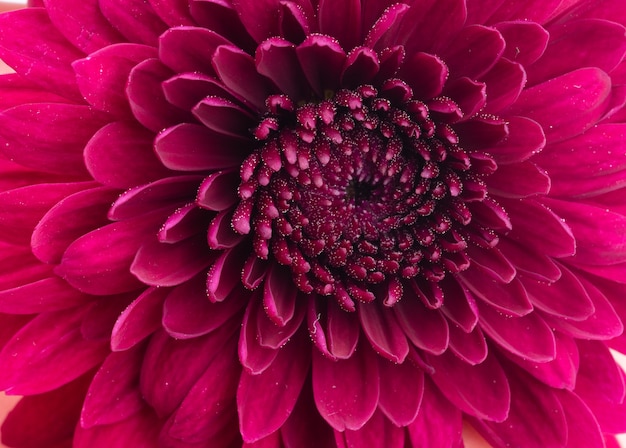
(481, 390)
(401, 391)
(525, 41)
(378, 432)
(165, 193)
(321, 59)
(520, 180)
(426, 329)
(223, 116)
(276, 59)
(561, 372)
(531, 407)
(510, 298)
(173, 12)
(22, 208)
(538, 345)
(102, 76)
(44, 136)
(279, 295)
(425, 73)
(385, 25)
(42, 55)
(189, 49)
(237, 71)
(120, 156)
(504, 82)
(571, 48)
(540, 229)
(346, 391)
(218, 191)
(46, 419)
(459, 305)
(189, 147)
(526, 138)
(146, 98)
(254, 357)
(205, 414)
(220, 234)
(578, 100)
(383, 331)
(600, 233)
(134, 19)
(113, 395)
(116, 245)
(73, 18)
(438, 422)
(599, 378)
(187, 313)
(582, 427)
(163, 384)
(332, 15)
(532, 263)
(266, 400)
(163, 264)
(47, 353)
(49, 294)
(470, 347)
(185, 222)
(474, 51)
(139, 320)
(564, 298)
(259, 17)
(225, 273)
(139, 431)
(185, 90)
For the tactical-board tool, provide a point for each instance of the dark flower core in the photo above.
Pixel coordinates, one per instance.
(363, 188)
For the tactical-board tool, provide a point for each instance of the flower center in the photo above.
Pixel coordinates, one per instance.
(359, 191)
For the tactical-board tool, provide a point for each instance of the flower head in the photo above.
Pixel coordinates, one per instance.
(313, 223)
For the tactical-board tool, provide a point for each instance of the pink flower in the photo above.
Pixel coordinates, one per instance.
(303, 223)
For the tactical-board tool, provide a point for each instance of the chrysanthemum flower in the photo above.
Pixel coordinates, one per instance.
(313, 223)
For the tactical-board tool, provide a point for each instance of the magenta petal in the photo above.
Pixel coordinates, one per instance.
(225, 273)
(185, 90)
(578, 100)
(116, 245)
(474, 51)
(564, 298)
(531, 407)
(459, 305)
(139, 320)
(526, 138)
(438, 422)
(504, 82)
(385, 24)
(146, 98)
(47, 353)
(49, 294)
(378, 432)
(599, 378)
(322, 59)
(42, 53)
(163, 383)
(73, 18)
(102, 76)
(259, 17)
(279, 296)
(346, 404)
(220, 234)
(520, 180)
(223, 116)
(138, 431)
(525, 41)
(218, 191)
(276, 59)
(190, 147)
(22, 208)
(43, 136)
(582, 427)
(266, 400)
(69, 219)
(510, 298)
(187, 313)
(185, 222)
(237, 70)
(163, 264)
(254, 357)
(481, 390)
(426, 329)
(383, 331)
(134, 19)
(342, 333)
(165, 193)
(332, 19)
(470, 347)
(120, 155)
(207, 413)
(401, 391)
(173, 12)
(425, 73)
(538, 345)
(113, 395)
(189, 49)
(531, 262)
(600, 233)
(570, 48)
